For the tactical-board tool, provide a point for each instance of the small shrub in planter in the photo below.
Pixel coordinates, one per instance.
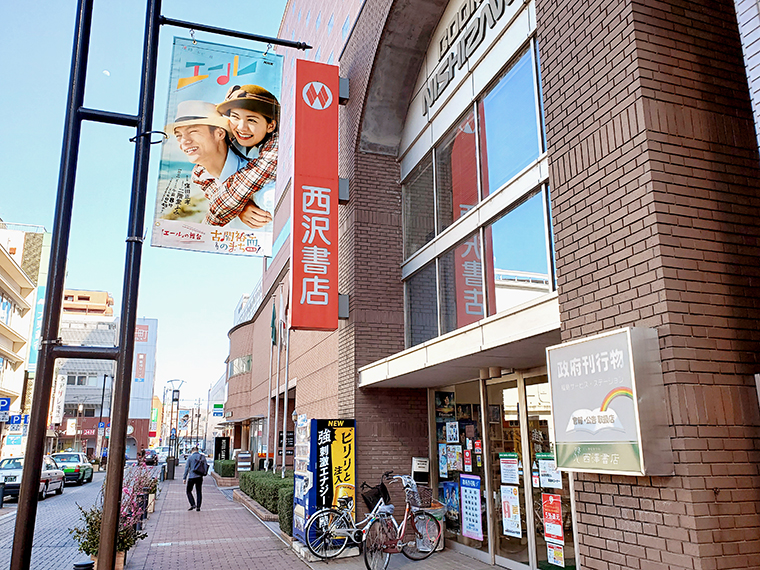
(224, 467)
(285, 509)
(267, 489)
(248, 482)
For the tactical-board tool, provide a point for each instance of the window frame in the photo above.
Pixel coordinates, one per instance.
(533, 178)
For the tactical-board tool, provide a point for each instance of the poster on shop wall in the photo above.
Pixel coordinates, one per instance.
(335, 462)
(216, 179)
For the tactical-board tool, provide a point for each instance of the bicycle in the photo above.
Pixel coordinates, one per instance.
(329, 530)
(416, 542)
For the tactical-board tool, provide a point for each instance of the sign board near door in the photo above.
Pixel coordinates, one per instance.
(608, 404)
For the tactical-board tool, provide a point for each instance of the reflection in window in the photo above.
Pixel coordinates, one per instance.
(461, 271)
(419, 223)
(509, 126)
(421, 302)
(515, 257)
(456, 173)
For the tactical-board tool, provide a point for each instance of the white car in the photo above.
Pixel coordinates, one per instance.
(51, 478)
(163, 453)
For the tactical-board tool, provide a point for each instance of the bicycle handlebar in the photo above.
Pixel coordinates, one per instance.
(384, 476)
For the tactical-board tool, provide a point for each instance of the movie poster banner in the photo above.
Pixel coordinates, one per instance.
(216, 181)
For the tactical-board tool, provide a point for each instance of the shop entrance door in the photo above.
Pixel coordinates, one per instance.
(531, 516)
(510, 516)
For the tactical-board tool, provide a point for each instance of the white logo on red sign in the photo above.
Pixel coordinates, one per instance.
(317, 95)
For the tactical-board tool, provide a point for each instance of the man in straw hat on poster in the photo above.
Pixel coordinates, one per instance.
(203, 136)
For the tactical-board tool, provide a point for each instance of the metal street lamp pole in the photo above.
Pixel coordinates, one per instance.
(100, 419)
(78, 434)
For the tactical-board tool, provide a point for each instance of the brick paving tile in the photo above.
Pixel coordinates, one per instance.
(226, 535)
(222, 535)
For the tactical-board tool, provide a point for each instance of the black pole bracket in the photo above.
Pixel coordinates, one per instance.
(231, 33)
(149, 133)
(135, 239)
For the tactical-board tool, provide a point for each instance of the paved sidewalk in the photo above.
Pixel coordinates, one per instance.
(224, 534)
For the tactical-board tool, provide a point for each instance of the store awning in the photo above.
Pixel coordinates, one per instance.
(515, 339)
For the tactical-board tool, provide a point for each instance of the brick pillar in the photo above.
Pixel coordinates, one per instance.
(654, 176)
(391, 423)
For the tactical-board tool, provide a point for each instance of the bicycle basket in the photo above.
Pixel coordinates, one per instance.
(426, 496)
(373, 495)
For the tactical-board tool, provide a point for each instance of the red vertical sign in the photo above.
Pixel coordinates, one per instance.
(314, 238)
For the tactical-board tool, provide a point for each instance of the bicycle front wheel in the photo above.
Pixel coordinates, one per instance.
(322, 540)
(375, 539)
(424, 540)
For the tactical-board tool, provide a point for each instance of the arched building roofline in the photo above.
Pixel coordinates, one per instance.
(404, 36)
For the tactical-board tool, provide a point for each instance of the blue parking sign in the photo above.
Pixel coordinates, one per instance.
(5, 404)
(14, 419)
(101, 425)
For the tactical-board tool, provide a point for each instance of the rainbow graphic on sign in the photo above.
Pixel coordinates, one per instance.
(614, 394)
(601, 418)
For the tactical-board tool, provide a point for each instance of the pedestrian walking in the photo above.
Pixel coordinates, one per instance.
(196, 468)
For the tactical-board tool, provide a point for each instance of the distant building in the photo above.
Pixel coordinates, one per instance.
(217, 395)
(88, 302)
(26, 251)
(16, 299)
(87, 384)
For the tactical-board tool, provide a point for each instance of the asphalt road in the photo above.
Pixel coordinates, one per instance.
(53, 548)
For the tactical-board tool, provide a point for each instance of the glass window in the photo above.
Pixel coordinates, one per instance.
(515, 256)
(421, 302)
(419, 222)
(461, 278)
(456, 173)
(461, 463)
(346, 27)
(81, 380)
(509, 125)
(71, 380)
(240, 365)
(551, 489)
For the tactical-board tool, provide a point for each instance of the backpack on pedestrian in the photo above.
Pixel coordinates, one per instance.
(202, 467)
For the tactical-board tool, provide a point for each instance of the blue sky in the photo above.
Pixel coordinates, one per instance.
(192, 295)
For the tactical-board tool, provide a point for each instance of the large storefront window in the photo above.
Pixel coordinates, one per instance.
(461, 465)
(516, 256)
(456, 172)
(496, 138)
(461, 277)
(509, 126)
(419, 208)
(493, 435)
(421, 306)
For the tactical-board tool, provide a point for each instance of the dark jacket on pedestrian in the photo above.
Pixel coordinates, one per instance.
(196, 466)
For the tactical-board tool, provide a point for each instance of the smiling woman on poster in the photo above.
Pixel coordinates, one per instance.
(253, 114)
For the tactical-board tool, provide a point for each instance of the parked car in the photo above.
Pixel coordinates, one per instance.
(51, 478)
(163, 453)
(76, 466)
(151, 457)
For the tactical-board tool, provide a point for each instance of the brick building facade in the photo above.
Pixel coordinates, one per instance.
(630, 201)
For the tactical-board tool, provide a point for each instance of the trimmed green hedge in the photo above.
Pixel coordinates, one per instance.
(224, 467)
(264, 487)
(285, 509)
